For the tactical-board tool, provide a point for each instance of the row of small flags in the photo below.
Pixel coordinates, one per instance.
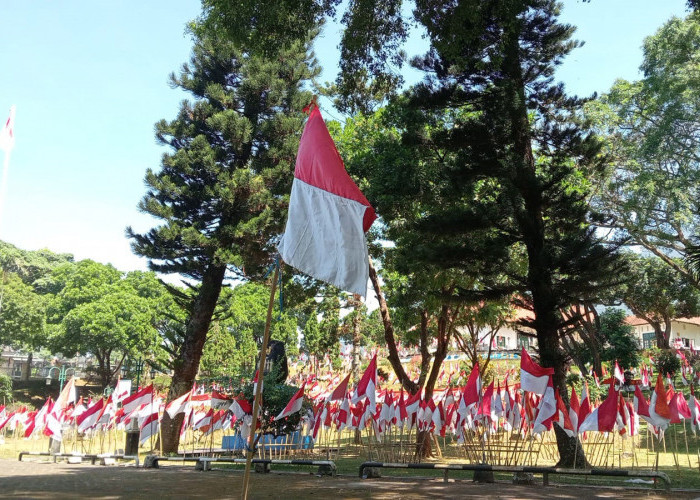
(533, 405)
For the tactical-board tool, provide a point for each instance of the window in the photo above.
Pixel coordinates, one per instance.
(523, 341)
(648, 340)
(501, 342)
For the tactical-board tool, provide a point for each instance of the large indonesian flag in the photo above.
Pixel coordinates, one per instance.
(328, 214)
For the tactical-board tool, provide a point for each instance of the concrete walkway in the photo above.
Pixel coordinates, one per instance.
(40, 480)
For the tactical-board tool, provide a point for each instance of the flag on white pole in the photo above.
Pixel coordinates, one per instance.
(328, 214)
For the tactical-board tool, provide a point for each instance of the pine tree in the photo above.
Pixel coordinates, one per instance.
(222, 189)
(500, 181)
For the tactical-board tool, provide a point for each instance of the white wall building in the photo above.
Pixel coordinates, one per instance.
(685, 333)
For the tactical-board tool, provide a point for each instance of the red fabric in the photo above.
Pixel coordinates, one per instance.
(642, 405)
(471, 389)
(320, 165)
(607, 411)
(369, 375)
(527, 364)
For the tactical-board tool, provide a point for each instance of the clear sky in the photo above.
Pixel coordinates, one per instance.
(90, 79)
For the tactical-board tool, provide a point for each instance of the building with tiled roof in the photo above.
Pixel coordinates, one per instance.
(685, 332)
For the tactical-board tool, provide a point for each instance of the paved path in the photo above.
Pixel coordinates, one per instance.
(38, 480)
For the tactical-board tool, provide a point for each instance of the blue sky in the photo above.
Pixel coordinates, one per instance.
(90, 79)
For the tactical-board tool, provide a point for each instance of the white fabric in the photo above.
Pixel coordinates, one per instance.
(531, 383)
(547, 409)
(324, 238)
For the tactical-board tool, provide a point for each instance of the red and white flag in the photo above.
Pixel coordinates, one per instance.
(574, 409)
(328, 214)
(255, 384)
(90, 416)
(659, 411)
(641, 407)
(138, 399)
(149, 428)
(178, 405)
(604, 417)
(547, 409)
(585, 408)
(563, 418)
(471, 395)
(7, 134)
(122, 390)
(294, 404)
(367, 386)
(533, 377)
(240, 408)
(694, 405)
(340, 391)
(617, 373)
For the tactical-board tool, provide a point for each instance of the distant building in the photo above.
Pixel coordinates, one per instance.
(685, 332)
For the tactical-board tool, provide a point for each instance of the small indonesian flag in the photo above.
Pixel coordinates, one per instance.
(618, 374)
(90, 416)
(547, 409)
(149, 428)
(367, 385)
(138, 399)
(178, 405)
(122, 390)
(328, 214)
(340, 391)
(533, 377)
(294, 404)
(641, 407)
(659, 411)
(604, 417)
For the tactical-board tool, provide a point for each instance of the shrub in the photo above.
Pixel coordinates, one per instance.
(5, 389)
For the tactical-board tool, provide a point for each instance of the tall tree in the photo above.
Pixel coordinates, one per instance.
(652, 132)
(22, 317)
(511, 165)
(223, 186)
(95, 310)
(236, 331)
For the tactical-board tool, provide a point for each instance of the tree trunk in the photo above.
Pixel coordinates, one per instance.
(187, 363)
(528, 196)
(27, 371)
(571, 454)
(393, 357)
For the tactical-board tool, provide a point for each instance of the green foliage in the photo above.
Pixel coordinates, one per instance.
(22, 295)
(619, 341)
(97, 310)
(5, 389)
(236, 333)
(666, 362)
(651, 130)
(274, 399)
(22, 314)
(659, 293)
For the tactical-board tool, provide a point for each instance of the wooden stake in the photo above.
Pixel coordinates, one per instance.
(258, 391)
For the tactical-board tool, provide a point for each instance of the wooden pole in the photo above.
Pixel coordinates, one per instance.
(258, 388)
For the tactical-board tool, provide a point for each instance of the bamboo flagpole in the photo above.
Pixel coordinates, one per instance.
(259, 386)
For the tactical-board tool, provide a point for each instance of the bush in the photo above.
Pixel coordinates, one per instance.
(666, 362)
(5, 390)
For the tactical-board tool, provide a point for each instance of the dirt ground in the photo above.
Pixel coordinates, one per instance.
(41, 480)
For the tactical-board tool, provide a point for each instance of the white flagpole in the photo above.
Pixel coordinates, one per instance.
(3, 186)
